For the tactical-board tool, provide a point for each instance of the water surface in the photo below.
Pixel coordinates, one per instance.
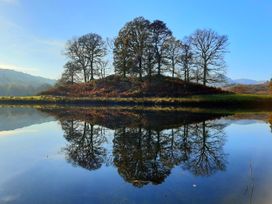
(102, 155)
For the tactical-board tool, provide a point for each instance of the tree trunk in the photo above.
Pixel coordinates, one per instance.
(124, 73)
(159, 67)
(173, 68)
(185, 73)
(205, 74)
(204, 131)
(140, 68)
(188, 75)
(85, 75)
(91, 138)
(84, 129)
(92, 74)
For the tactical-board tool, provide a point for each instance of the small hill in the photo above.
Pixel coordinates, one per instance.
(115, 86)
(248, 89)
(14, 83)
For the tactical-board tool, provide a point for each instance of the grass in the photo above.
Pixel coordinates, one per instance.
(216, 100)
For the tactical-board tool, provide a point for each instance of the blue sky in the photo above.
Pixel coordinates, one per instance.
(33, 32)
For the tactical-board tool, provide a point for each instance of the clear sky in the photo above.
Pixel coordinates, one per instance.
(33, 32)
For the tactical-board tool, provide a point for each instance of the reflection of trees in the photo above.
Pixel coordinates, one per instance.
(138, 155)
(207, 156)
(270, 121)
(145, 155)
(85, 148)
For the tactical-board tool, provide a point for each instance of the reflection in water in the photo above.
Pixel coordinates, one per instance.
(85, 148)
(270, 121)
(144, 155)
(173, 157)
(141, 155)
(206, 144)
(143, 151)
(12, 118)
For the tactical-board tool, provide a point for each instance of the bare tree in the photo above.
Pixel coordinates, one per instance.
(94, 50)
(110, 48)
(76, 54)
(102, 68)
(149, 60)
(110, 44)
(186, 60)
(196, 74)
(209, 49)
(87, 51)
(71, 71)
(174, 53)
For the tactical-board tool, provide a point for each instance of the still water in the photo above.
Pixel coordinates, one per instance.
(110, 155)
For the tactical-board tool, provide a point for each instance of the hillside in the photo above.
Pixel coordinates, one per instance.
(114, 86)
(14, 83)
(248, 89)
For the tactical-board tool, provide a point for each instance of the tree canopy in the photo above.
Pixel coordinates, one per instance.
(143, 48)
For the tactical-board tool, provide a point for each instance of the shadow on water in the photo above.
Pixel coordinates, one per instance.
(147, 145)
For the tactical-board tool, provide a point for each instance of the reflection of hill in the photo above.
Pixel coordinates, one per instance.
(12, 118)
(147, 145)
(117, 118)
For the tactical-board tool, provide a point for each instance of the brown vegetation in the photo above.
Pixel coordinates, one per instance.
(115, 86)
(249, 89)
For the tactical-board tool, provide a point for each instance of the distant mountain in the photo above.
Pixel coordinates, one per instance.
(14, 83)
(248, 88)
(243, 81)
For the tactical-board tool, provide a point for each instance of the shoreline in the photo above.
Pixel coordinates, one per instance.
(202, 101)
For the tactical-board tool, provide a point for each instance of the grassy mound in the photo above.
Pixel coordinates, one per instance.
(115, 86)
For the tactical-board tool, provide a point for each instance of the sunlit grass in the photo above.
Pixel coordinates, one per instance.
(197, 99)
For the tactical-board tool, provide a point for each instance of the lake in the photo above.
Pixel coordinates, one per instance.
(133, 155)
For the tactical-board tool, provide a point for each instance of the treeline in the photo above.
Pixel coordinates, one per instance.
(143, 49)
